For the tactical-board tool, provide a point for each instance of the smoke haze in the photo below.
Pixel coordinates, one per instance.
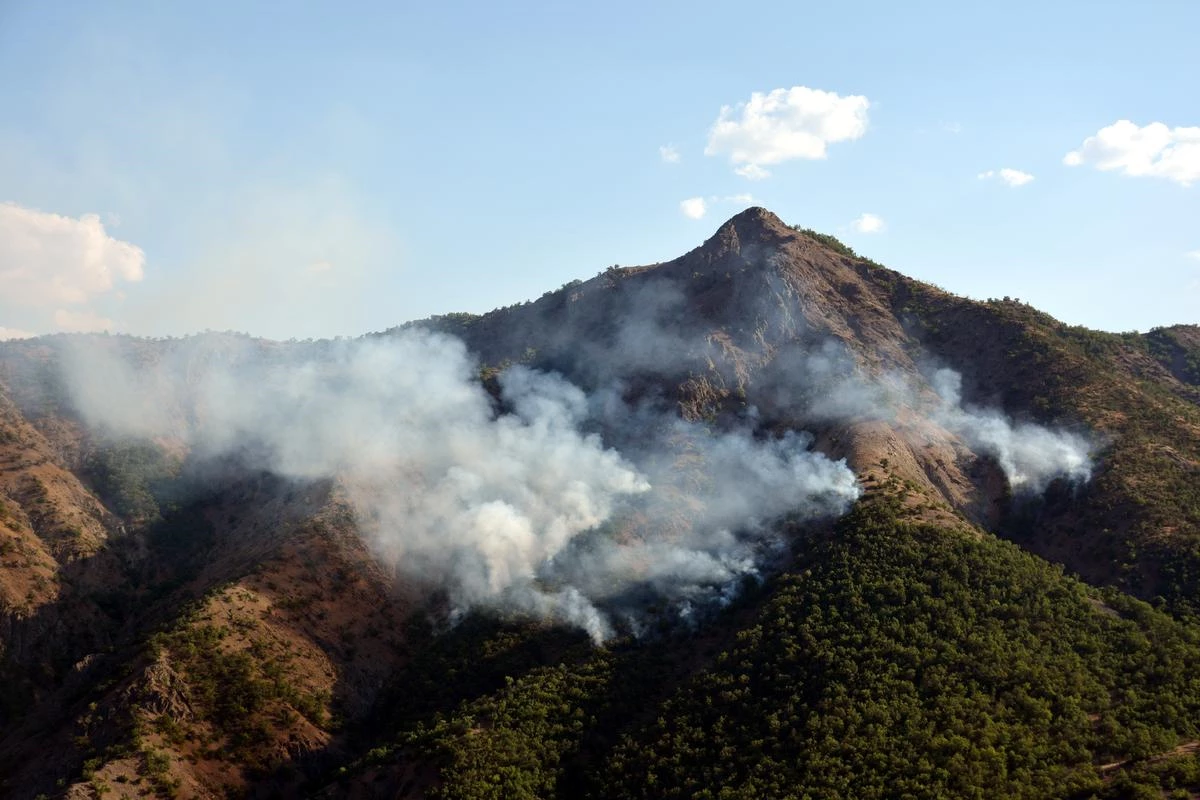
(824, 385)
(518, 500)
(511, 505)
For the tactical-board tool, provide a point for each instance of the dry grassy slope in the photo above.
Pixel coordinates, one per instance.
(53, 563)
(49, 517)
(280, 577)
(293, 634)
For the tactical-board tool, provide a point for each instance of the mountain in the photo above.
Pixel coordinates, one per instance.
(768, 520)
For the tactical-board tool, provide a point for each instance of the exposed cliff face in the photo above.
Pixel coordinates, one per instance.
(757, 284)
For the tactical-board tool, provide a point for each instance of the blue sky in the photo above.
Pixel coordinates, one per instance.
(319, 169)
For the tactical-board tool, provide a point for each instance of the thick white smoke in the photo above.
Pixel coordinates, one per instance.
(824, 384)
(518, 509)
(514, 504)
(1030, 455)
(710, 520)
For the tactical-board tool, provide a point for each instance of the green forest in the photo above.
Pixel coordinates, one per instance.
(894, 659)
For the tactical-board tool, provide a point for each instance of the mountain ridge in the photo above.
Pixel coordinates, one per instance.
(195, 581)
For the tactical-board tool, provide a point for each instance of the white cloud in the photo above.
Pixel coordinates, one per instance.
(785, 124)
(752, 172)
(1015, 177)
(668, 154)
(694, 207)
(81, 321)
(1152, 151)
(1194, 254)
(48, 260)
(698, 207)
(868, 223)
(13, 333)
(1012, 177)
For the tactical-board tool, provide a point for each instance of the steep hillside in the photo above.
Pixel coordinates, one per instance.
(894, 659)
(235, 567)
(1137, 524)
(1178, 349)
(171, 628)
(54, 559)
(744, 312)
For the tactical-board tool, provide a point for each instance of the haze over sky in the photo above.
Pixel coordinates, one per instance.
(315, 169)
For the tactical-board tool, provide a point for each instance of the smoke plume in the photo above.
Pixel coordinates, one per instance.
(824, 384)
(1030, 455)
(540, 498)
(513, 503)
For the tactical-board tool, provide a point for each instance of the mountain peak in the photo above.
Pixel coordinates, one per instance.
(755, 215)
(754, 223)
(754, 227)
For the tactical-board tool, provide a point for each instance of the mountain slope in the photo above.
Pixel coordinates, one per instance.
(758, 297)
(182, 622)
(895, 658)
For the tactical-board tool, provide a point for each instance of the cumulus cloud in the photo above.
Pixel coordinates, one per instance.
(49, 260)
(1194, 254)
(785, 124)
(698, 207)
(752, 172)
(694, 207)
(668, 154)
(1154, 150)
(1011, 177)
(868, 223)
